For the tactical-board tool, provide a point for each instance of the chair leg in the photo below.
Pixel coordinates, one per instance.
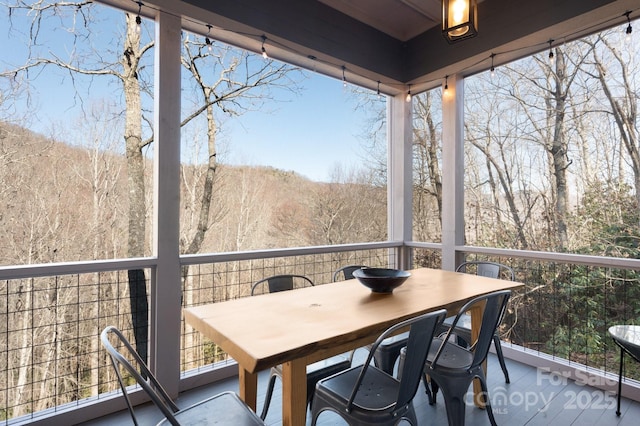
(455, 406)
(430, 388)
(487, 401)
(434, 389)
(267, 398)
(496, 343)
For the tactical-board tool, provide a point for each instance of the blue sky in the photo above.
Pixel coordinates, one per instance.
(310, 133)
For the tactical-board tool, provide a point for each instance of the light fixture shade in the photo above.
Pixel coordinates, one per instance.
(459, 19)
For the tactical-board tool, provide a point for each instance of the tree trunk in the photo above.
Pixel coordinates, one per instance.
(557, 148)
(136, 186)
(23, 318)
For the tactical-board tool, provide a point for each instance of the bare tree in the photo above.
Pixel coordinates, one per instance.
(498, 161)
(546, 107)
(240, 87)
(555, 98)
(349, 209)
(126, 69)
(242, 82)
(102, 176)
(426, 161)
(621, 94)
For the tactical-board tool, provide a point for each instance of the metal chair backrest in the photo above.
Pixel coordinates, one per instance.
(278, 283)
(494, 305)
(346, 272)
(421, 332)
(487, 269)
(139, 372)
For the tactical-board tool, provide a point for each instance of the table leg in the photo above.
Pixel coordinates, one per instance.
(294, 393)
(476, 322)
(620, 380)
(248, 383)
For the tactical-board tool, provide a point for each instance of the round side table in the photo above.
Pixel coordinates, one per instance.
(628, 338)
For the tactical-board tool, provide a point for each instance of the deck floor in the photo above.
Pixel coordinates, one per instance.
(532, 398)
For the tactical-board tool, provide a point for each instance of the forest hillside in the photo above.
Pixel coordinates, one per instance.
(66, 203)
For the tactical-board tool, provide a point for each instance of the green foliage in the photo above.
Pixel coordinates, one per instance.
(213, 353)
(612, 218)
(587, 300)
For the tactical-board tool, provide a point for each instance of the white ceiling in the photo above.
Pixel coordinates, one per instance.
(401, 19)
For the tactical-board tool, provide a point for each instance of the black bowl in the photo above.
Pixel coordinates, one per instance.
(381, 280)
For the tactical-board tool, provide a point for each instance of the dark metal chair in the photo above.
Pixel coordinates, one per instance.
(463, 329)
(366, 395)
(452, 367)
(388, 351)
(346, 272)
(278, 283)
(315, 371)
(225, 408)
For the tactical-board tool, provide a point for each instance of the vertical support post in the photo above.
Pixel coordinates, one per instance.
(452, 171)
(165, 286)
(400, 175)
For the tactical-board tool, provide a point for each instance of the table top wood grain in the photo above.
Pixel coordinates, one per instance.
(315, 322)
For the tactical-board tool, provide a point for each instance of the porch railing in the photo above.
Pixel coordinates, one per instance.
(51, 315)
(568, 303)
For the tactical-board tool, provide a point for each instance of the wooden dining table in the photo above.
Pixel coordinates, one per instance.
(296, 328)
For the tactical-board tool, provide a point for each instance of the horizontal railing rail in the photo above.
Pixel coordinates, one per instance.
(69, 268)
(553, 257)
(193, 259)
(51, 315)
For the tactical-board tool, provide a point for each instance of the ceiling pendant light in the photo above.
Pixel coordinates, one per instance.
(264, 51)
(493, 69)
(207, 40)
(138, 18)
(459, 19)
(629, 29)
